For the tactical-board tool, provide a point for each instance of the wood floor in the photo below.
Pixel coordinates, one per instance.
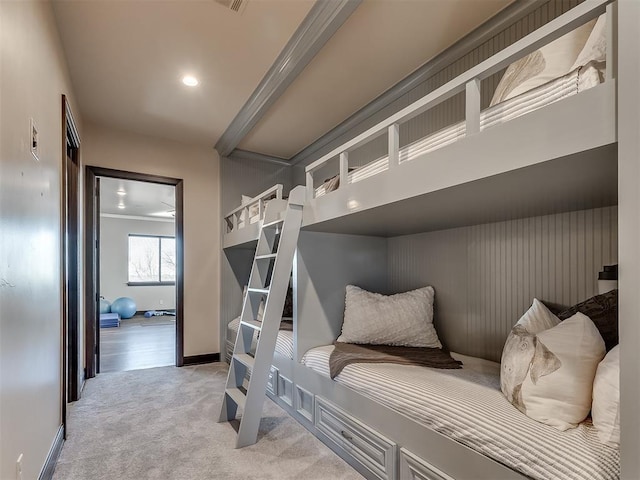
(138, 343)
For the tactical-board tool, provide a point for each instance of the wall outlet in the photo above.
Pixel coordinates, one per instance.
(19, 467)
(161, 302)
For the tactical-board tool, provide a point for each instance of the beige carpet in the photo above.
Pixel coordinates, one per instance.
(160, 423)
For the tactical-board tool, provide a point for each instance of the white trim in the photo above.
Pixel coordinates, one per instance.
(137, 217)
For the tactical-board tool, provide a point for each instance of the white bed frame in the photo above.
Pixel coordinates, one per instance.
(573, 167)
(237, 233)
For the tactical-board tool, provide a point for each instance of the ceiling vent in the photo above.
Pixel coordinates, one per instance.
(237, 6)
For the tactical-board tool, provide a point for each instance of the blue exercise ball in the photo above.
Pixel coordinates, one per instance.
(105, 306)
(124, 306)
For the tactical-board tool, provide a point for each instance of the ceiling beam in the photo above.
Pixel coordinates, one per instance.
(238, 154)
(322, 21)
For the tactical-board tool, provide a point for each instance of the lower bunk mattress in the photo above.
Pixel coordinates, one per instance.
(467, 406)
(284, 342)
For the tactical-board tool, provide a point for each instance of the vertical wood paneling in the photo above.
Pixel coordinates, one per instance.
(486, 276)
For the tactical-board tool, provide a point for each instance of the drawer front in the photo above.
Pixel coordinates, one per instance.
(413, 467)
(370, 448)
(272, 382)
(304, 403)
(285, 390)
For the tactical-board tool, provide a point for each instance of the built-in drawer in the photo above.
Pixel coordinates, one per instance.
(272, 381)
(285, 390)
(303, 403)
(413, 467)
(364, 444)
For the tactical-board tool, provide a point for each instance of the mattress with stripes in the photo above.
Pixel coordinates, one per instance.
(284, 342)
(580, 79)
(467, 406)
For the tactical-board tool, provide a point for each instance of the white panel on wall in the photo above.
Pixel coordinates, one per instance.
(486, 276)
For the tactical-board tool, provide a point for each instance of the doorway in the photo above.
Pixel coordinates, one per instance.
(72, 373)
(134, 261)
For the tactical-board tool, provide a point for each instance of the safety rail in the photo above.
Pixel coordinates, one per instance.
(469, 82)
(234, 219)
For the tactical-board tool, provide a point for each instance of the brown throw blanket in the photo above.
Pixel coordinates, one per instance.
(286, 325)
(346, 353)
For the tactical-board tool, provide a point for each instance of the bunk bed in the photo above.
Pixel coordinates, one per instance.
(242, 224)
(490, 167)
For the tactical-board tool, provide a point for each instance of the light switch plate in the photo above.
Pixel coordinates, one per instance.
(34, 140)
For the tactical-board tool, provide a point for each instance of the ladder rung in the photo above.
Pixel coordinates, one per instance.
(236, 395)
(263, 291)
(253, 324)
(269, 256)
(245, 359)
(273, 224)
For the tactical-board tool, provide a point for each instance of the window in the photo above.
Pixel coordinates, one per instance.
(152, 260)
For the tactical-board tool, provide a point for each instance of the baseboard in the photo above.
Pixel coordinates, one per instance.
(50, 464)
(200, 359)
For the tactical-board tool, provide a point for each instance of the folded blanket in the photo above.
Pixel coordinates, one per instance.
(346, 353)
(286, 325)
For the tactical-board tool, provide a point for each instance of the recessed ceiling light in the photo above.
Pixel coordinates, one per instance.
(190, 81)
(122, 193)
(121, 207)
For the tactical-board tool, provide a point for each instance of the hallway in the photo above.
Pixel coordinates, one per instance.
(161, 423)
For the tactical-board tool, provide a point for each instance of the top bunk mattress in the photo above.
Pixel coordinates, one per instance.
(467, 406)
(580, 79)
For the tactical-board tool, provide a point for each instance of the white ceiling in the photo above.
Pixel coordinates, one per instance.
(141, 199)
(127, 57)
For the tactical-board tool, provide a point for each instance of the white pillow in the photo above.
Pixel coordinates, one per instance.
(520, 347)
(254, 208)
(404, 319)
(605, 409)
(548, 63)
(595, 48)
(559, 387)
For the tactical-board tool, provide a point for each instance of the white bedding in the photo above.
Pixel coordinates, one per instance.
(284, 342)
(467, 406)
(577, 81)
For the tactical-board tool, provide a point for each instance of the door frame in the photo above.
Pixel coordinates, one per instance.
(71, 379)
(92, 264)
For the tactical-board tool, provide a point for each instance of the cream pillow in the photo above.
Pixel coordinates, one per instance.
(404, 319)
(520, 347)
(605, 409)
(595, 48)
(559, 387)
(548, 63)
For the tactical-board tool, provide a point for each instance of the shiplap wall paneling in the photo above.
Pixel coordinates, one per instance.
(249, 177)
(486, 276)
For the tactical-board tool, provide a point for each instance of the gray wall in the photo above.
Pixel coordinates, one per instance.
(114, 258)
(450, 111)
(486, 276)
